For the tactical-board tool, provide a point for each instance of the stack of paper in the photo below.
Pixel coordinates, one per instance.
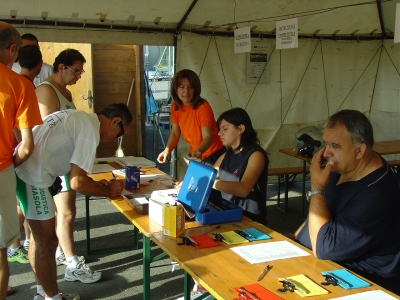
(140, 162)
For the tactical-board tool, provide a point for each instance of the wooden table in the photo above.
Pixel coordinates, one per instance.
(141, 223)
(219, 269)
(382, 148)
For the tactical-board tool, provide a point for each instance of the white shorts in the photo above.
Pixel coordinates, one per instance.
(65, 183)
(36, 203)
(9, 224)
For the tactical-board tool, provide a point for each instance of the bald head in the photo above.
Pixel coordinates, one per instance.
(10, 42)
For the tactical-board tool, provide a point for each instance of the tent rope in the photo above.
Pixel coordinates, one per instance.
(301, 80)
(280, 82)
(223, 73)
(265, 67)
(205, 56)
(376, 77)
(323, 71)
(358, 79)
(394, 65)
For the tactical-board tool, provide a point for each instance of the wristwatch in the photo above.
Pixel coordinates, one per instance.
(314, 192)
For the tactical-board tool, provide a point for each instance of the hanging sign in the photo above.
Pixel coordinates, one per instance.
(397, 24)
(287, 34)
(242, 40)
(257, 70)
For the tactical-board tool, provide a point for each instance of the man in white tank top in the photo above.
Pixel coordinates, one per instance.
(54, 96)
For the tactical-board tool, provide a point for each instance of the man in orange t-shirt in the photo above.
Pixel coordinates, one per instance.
(18, 109)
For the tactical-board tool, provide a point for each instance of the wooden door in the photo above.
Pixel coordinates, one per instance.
(81, 89)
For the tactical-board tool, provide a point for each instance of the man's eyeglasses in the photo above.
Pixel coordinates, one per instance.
(122, 132)
(77, 72)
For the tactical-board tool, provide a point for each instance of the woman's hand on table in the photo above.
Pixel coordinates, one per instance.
(163, 156)
(197, 154)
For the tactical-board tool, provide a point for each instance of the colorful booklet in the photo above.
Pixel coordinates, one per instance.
(344, 279)
(231, 238)
(304, 286)
(256, 290)
(253, 234)
(203, 241)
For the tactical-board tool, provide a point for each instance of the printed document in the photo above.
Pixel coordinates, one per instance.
(269, 251)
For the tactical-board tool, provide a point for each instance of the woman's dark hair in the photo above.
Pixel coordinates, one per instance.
(357, 124)
(119, 110)
(67, 57)
(238, 116)
(194, 81)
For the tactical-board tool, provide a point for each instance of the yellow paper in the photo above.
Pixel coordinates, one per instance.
(232, 238)
(305, 287)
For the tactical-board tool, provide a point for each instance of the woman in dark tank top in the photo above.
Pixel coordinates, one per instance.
(243, 169)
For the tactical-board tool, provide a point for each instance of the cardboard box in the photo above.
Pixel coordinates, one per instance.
(156, 204)
(174, 219)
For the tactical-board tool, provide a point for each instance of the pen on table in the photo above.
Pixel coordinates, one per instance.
(339, 280)
(296, 286)
(192, 240)
(208, 231)
(248, 294)
(264, 272)
(103, 162)
(113, 176)
(245, 234)
(225, 238)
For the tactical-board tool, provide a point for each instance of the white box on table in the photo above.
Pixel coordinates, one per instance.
(157, 201)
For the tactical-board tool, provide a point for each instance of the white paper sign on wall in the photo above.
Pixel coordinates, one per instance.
(287, 34)
(242, 40)
(397, 25)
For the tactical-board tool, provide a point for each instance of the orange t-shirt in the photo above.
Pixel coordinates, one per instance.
(18, 108)
(191, 120)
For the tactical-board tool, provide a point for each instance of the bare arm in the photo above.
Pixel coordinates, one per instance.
(299, 229)
(318, 213)
(85, 185)
(206, 134)
(173, 140)
(254, 168)
(17, 134)
(26, 148)
(48, 101)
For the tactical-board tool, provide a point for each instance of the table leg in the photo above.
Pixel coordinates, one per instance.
(87, 198)
(187, 284)
(303, 190)
(146, 267)
(107, 250)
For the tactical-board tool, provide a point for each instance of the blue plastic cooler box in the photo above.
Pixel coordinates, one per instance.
(195, 192)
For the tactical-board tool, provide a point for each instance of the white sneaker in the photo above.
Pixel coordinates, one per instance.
(63, 297)
(61, 260)
(82, 273)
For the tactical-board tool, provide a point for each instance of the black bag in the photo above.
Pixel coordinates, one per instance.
(56, 187)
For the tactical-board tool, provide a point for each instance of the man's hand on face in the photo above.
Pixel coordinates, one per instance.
(320, 174)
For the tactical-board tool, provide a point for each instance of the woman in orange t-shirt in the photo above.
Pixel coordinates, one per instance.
(192, 116)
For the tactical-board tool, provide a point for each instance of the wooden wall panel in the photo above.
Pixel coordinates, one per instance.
(114, 67)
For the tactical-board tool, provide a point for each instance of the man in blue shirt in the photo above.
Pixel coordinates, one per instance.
(354, 215)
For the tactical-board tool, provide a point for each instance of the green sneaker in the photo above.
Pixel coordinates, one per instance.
(20, 255)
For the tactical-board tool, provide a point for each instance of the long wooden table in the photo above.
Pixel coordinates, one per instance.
(142, 223)
(383, 148)
(219, 269)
